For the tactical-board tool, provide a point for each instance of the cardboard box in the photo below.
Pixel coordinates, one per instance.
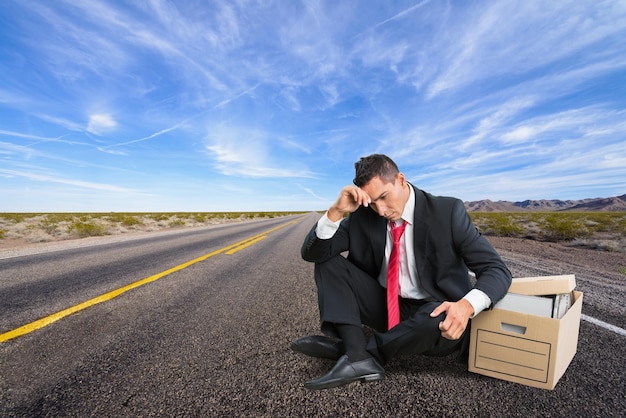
(525, 348)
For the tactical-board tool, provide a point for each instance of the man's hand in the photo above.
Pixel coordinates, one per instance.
(457, 317)
(349, 200)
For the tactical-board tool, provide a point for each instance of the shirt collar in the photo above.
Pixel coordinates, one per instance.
(409, 209)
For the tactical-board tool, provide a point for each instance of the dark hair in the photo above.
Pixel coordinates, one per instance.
(372, 166)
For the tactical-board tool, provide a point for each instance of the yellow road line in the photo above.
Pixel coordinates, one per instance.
(246, 244)
(40, 323)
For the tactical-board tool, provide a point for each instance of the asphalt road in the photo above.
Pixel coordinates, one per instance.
(212, 339)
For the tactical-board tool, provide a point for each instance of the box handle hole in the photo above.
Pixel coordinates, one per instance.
(517, 329)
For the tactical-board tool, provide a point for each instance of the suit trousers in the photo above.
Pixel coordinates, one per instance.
(348, 295)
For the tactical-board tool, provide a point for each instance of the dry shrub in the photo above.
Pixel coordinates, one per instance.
(87, 228)
(601, 230)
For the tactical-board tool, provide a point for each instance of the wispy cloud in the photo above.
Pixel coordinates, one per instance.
(402, 13)
(106, 148)
(39, 138)
(502, 40)
(248, 153)
(489, 125)
(575, 123)
(45, 178)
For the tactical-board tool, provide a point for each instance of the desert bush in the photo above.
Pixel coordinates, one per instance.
(49, 226)
(17, 217)
(507, 226)
(614, 222)
(2, 233)
(563, 227)
(620, 225)
(129, 220)
(159, 216)
(498, 223)
(552, 226)
(85, 228)
(57, 218)
(270, 215)
(177, 222)
(199, 217)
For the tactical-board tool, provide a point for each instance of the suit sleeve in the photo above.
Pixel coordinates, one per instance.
(317, 250)
(492, 275)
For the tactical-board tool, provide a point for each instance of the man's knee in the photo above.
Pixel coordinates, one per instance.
(333, 270)
(332, 265)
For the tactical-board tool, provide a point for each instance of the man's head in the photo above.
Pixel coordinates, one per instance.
(375, 165)
(380, 178)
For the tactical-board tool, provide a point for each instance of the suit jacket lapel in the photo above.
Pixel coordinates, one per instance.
(421, 230)
(378, 237)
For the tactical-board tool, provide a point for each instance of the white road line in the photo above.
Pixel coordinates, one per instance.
(617, 330)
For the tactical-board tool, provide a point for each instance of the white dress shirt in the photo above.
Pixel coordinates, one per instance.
(409, 283)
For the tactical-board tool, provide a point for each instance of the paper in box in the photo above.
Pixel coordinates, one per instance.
(525, 348)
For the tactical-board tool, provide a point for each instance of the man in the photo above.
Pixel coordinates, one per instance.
(418, 298)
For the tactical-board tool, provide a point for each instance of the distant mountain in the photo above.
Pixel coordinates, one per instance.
(610, 204)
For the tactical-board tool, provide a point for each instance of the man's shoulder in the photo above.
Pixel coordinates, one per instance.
(429, 200)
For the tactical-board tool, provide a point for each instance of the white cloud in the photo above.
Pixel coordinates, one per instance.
(101, 123)
(248, 153)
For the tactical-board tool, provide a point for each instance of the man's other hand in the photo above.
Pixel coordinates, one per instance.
(457, 317)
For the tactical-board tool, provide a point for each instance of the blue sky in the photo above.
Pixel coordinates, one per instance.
(266, 105)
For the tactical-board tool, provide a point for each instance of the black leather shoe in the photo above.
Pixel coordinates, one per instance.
(345, 372)
(319, 346)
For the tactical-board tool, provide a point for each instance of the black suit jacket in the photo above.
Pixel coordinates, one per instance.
(446, 245)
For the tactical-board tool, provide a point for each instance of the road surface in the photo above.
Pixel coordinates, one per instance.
(199, 322)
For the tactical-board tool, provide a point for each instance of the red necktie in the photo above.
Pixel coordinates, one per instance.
(393, 275)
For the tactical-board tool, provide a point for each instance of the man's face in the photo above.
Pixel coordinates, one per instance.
(388, 199)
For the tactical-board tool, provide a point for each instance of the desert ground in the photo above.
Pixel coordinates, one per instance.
(564, 253)
(39, 233)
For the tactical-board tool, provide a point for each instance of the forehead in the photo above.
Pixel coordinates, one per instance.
(376, 187)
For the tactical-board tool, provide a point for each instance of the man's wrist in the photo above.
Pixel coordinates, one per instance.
(479, 301)
(469, 308)
(334, 215)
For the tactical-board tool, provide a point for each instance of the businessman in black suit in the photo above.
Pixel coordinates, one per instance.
(417, 298)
